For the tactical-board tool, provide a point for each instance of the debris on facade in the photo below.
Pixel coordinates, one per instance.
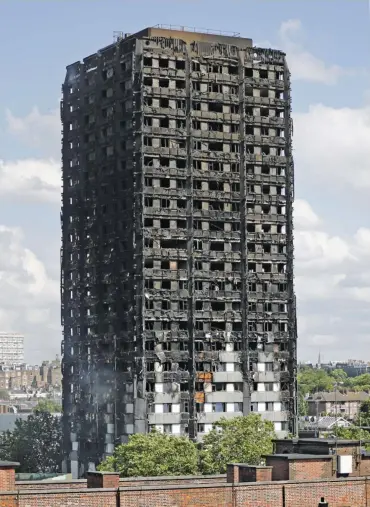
(178, 302)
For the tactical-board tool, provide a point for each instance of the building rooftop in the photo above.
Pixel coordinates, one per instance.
(328, 441)
(189, 35)
(339, 397)
(12, 464)
(294, 456)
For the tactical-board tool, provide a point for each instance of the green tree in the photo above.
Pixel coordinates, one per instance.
(239, 440)
(153, 454)
(50, 406)
(352, 433)
(312, 380)
(361, 382)
(363, 415)
(302, 404)
(35, 443)
(4, 395)
(339, 375)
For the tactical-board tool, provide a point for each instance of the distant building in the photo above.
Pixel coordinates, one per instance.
(51, 373)
(354, 368)
(328, 423)
(341, 404)
(20, 376)
(11, 348)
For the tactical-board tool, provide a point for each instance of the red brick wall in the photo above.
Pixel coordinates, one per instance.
(179, 497)
(280, 470)
(124, 483)
(75, 498)
(31, 485)
(261, 495)
(243, 473)
(264, 474)
(339, 493)
(7, 479)
(364, 466)
(302, 470)
(102, 480)
(8, 500)
(232, 473)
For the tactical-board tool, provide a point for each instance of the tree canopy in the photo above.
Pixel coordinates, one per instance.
(35, 443)
(45, 405)
(313, 380)
(238, 440)
(4, 394)
(242, 439)
(153, 454)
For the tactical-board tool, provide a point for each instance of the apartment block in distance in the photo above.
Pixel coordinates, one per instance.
(178, 301)
(11, 348)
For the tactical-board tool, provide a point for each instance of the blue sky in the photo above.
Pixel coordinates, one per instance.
(328, 47)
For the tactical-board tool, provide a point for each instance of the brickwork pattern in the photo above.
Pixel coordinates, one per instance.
(184, 497)
(305, 470)
(263, 474)
(124, 483)
(8, 500)
(339, 493)
(75, 498)
(7, 479)
(102, 480)
(47, 485)
(348, 493)
(280, 471)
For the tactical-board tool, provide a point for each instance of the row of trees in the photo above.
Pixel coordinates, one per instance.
(239, 440)
(36, 444)
(311, 380)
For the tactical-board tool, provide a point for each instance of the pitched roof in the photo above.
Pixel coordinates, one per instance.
(333, 397)
(328, 421)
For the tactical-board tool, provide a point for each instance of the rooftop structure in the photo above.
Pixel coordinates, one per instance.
(178, 302)
(287, 479)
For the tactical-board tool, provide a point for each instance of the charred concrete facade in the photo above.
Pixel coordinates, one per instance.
(178, 301)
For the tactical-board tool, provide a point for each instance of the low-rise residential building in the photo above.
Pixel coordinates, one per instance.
(336, 403)
(24, 376)
(19, 376)
(51, 373)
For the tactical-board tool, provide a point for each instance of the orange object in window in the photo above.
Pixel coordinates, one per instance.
(199, 397)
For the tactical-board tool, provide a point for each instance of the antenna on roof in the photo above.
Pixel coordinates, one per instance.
(117, 36)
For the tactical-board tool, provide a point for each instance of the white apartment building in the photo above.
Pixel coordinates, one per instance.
(11, 348)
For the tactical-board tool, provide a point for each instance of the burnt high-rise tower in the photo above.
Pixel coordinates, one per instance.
(178, 302)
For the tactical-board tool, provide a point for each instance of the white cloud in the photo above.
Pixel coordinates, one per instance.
(333, 289)
(38, 130)
(31, 179)
(303, 64)
(36, 179)
(332, 145)
(29, 298)
(304, 216)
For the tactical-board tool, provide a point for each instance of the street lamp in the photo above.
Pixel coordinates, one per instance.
(336, 414)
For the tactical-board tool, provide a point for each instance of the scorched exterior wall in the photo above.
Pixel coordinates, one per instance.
(178, 302)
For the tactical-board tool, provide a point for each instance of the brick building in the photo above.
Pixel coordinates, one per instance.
(340, 404)
(287, 480)
(20, 376)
